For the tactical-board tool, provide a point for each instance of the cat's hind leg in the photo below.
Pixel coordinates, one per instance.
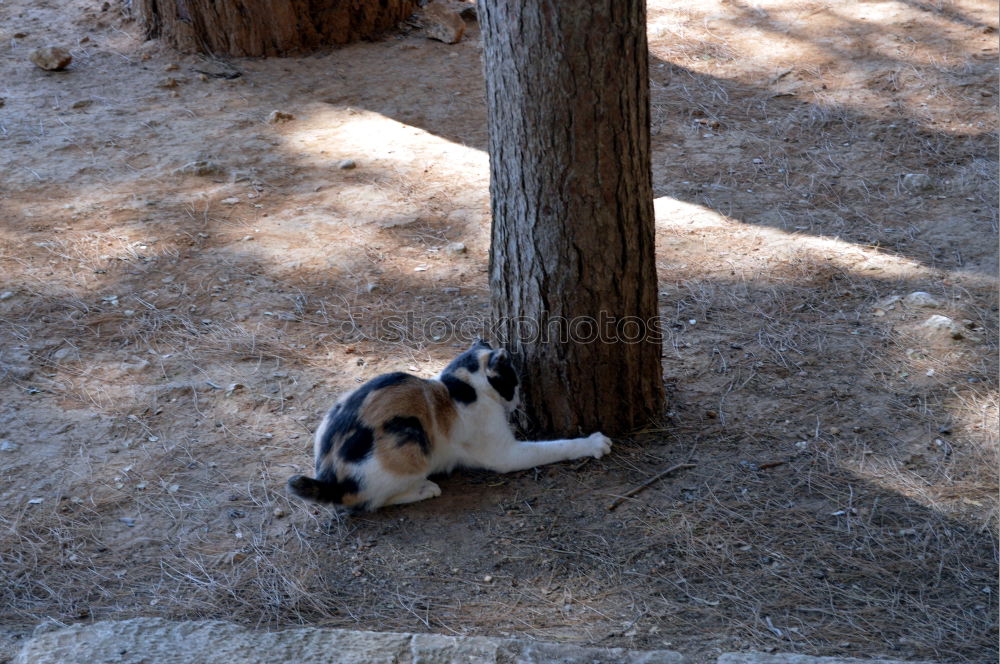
(421, 490)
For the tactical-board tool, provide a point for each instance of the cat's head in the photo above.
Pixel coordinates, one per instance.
(489, 371)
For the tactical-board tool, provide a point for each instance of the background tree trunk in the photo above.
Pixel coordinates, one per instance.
(266, 27)
(571, 187)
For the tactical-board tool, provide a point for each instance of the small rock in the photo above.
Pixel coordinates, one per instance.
(173, 488)
(888, 303)
(83, 103)
(200, 167)
(938, 325)
(167, 83)
(173, 66)
(279, 116)
(442, 23)
(372, 287)
(455, 248)
(128, 521)
(6, 295)
(921, 299)
(278, 512)
(8, 446)
(398, 221)
(917, 182)
(346, 164)
(487, 579)
(51, 58)
(230, 201)
(64, 353)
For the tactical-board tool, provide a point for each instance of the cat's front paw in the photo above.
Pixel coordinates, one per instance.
(599, 443)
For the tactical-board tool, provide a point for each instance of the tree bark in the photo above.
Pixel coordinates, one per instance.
(571, 188)
(266, 27)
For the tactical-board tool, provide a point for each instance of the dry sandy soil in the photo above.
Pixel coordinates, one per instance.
(179, 278)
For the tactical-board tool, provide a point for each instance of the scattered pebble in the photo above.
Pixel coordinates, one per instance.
(200, 167)
(442, 23)
(128, 521)
(8, 446)
(167, 83)
(372, 287)
(6, 295)
(938, 325)
(487, 579)
(83, 103)
(917, 182)
(278, 512)
(51, 58)
(346, 164)
(921, 299)
(421, 268)
(279, 116)
(230, 201)
(36, 501)
(173, 488)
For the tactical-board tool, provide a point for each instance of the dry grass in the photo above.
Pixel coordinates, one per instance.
(844, 498)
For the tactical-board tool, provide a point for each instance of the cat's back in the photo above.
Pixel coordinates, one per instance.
(397, 419)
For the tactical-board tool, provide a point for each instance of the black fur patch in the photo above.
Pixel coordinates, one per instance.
(358, 443)
(469, 360)
(344, 416)
(459, 390)
(504, 378)
(408, 430)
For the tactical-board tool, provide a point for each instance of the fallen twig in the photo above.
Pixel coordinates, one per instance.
(655, 478)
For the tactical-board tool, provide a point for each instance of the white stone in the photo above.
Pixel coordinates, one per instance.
(143, 640)
(917, 182)
(921, 299)
(789, 658)
(939, 326)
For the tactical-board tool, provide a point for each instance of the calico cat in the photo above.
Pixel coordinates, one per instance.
(379, 443)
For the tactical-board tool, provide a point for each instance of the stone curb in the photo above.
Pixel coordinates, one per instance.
(159, 641)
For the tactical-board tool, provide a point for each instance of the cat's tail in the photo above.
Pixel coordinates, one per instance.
(315, 490)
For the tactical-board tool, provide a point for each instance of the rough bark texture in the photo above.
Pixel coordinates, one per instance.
(266, 27)
(568, 102)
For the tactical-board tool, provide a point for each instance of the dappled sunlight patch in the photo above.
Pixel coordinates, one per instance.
(715, 241)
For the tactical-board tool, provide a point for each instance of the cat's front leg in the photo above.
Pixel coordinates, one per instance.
(510, 454)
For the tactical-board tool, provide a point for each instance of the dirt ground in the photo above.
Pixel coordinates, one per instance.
(185, 287)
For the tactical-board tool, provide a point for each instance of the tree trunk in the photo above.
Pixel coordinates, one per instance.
(572, 266)
(266, 27)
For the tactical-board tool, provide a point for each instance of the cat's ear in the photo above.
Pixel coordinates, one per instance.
(499, 358)
(482, 343)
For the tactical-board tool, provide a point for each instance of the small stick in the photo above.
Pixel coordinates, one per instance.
(771, 464)
(655, 478)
